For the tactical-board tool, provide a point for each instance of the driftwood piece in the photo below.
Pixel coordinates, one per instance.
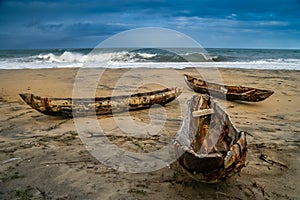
(66, 162)
(200, 113)
(271, 161)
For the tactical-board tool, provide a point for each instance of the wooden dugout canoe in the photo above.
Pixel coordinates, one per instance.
(208, 146)
(67, 107)
(227, 91)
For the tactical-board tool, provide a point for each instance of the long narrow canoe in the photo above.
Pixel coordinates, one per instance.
(68, 107)
(208, 146)
(226, 91)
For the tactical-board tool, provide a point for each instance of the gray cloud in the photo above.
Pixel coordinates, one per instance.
(223, 23)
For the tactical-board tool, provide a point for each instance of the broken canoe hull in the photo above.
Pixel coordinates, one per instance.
(209, 147)
(68, 107)
(228, 92)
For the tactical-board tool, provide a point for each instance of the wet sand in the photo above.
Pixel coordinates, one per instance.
(43, 157)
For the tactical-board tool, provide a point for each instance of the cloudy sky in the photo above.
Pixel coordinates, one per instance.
(34, 24)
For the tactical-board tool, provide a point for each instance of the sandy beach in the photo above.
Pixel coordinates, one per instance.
(42, 157)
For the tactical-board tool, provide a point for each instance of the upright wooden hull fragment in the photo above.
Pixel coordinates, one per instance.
(228, 92)
(68, 107)
(209, 147)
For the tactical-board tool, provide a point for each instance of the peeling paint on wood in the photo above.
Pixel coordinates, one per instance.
(67, 107)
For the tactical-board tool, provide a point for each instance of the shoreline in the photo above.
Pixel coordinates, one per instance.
(185, 68)
(43, 156)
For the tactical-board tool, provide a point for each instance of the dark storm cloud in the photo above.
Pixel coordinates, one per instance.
(216, 23)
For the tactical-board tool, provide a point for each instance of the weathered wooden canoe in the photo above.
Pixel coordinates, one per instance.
(68, 107)
(209, 147)
(226, 91)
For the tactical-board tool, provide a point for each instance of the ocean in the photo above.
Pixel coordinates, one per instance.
(150, 57)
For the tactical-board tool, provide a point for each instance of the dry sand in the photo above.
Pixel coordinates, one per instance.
(42, 157)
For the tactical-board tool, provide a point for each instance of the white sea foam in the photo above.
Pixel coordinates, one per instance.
(69, 57)
(151, 59)
(181, 65)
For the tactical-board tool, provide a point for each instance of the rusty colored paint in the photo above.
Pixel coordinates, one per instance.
(46, 102)
(226, 91)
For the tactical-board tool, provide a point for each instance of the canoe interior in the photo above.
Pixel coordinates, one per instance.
(101, 98)
(203, 143)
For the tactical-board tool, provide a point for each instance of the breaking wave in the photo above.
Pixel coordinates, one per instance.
(150, 57)
(123, 56)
